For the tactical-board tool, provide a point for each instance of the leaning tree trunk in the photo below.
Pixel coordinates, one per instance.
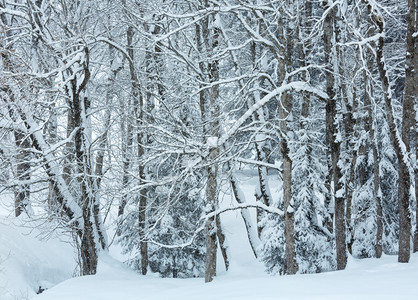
(251, 231)
(400, 142)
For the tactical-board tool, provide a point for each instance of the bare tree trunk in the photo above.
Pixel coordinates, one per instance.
(211, 204)
(291, 265)
(349, 127)
(400, 141)
(53, 132)
(22, 194)
(142, 227)
(333, 143)
(376, 164)
(408, 120)
(416, 168)
(263, 193)
(349, 193)
(98, 176)
(79, 106)
(350, 124)
(129, 119)
(88, 248)
(211, 39)
(285, 109)
(202, 32)
(378, 200)
(222, 242)
(141, 139)
(138, 103)
(411, 79)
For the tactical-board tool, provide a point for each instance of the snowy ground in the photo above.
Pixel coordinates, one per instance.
(369, 279)
(27, 263)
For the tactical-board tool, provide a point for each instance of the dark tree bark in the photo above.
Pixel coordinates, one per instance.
(410, 95)
(333, 143)
(202, 33)
(210, 116)
(399, 140)
(79, 105)
(138, 108)
(376, 163)
(350, 123)
(285, 110)
(22, 193)
(211, 231)
(222, 242)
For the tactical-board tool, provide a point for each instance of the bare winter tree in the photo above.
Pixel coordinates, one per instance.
(163, 105)
(75, 182)
(400, 138)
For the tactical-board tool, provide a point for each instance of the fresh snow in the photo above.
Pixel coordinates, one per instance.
(212, 141)
(366, 279)
(26, 263)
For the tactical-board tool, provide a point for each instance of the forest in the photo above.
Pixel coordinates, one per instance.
(127, 122)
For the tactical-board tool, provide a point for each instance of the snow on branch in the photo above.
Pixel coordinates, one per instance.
(205, 218)
(259, 205)
(69, 204)
(296, 85)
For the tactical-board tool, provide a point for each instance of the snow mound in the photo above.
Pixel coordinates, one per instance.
(28, 264)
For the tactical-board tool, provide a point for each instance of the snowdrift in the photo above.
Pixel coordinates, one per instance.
(28, 263)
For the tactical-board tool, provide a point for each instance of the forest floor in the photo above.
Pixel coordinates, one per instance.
(30, 260)
(369, 279)
(26, 263)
